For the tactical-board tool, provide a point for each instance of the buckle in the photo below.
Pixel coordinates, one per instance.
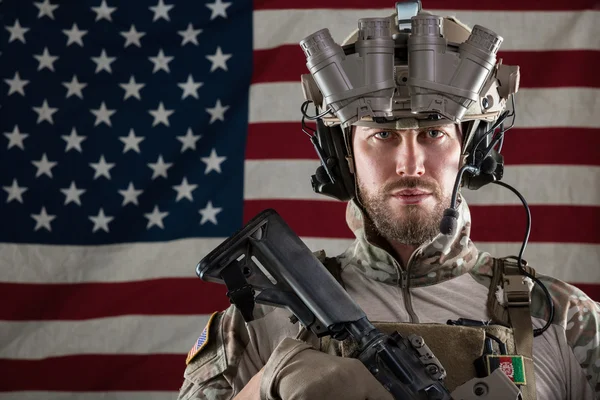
(516, 291)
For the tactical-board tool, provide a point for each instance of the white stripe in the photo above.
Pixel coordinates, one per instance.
(89, 396)
(536, 108)
(177, 334)
(571, 262)
(290, 179)
(36, 340)
(532, 30)
(24, 263)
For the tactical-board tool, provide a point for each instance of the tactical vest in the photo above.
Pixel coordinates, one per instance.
(465, 351)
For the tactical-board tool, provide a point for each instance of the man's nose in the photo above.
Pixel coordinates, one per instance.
(410, 160)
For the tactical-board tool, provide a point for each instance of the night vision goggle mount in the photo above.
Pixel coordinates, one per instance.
(408, 66)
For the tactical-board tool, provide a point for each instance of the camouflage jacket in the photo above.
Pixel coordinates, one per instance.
(447, 278)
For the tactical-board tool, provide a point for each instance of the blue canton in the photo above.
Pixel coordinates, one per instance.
(122, 121)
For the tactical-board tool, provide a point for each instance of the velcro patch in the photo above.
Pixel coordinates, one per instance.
(512, 366)
(201, 342)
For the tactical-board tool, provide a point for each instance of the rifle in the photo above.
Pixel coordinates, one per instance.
(267, 263)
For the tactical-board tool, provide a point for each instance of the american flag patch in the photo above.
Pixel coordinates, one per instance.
(201, 342)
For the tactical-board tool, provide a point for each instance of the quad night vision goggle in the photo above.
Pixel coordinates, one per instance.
(410, 65)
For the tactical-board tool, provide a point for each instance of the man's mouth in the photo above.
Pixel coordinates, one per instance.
(411, 196)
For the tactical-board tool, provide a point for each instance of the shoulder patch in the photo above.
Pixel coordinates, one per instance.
(201, 342)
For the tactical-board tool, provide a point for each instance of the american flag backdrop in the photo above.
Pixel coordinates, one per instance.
(137, 135)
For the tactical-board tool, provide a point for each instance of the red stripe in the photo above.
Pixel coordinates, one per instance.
(95, 300)
(569, 68)
(554, 224)
(591, 289)
(523, 146)
(507, 5)
(94, 373)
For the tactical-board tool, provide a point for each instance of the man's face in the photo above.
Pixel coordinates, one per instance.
(405, 178)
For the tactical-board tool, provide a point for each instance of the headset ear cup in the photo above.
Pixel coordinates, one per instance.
(332, 152)
(347, 177)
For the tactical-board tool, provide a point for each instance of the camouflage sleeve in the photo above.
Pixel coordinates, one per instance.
(580, 317)
(215, 372)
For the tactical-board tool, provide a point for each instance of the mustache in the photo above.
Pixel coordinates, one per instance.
(412, 182)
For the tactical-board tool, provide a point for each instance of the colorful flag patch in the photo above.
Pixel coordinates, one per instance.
(512, 366)
(201, 342)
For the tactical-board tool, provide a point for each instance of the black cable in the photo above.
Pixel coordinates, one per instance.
(304, 107)
(537, 331)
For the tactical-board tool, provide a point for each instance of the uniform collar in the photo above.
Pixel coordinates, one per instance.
(441, 259)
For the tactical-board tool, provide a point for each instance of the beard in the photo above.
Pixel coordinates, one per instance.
(410, 224)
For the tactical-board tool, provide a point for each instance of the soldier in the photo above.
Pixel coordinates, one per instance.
(407, 119)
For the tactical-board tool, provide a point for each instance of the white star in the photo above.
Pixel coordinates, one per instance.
(213, 162)
(102, 115)
(74, 87)
(209, 213)
(190, 88)
(132, 37)
(132, 89)
(159, 168)
(102, 168)
(73, 194)
(45, 112)
(189, 140)
(100, 221)
(45, 60)
(73, 141)
(103, 62)
(46, 9)
(219, 60)
(130, 195)
(15, 192)
(184, 190)
(17, 32)
(42, 220)
(156, 218)
(161, 62)
(74, 35)
(161, 10)
(189, 35)
(44, 166)
(218, 9)
(131, 141)
(15, 138)
(17, 85)
(217, 112)
(161, 115)
(104, 11)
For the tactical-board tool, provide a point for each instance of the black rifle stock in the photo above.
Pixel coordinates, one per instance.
(267, 263)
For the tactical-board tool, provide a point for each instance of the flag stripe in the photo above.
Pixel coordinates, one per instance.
(167, 334)
(559, 146)
(96, 372)
(530, 5)
(490, 223)
(110, 299)
(582, 259)
(570, 68)
(280, 179)
(536, 108)
(521, 30)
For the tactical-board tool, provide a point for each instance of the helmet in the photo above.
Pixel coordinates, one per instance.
(406, 71)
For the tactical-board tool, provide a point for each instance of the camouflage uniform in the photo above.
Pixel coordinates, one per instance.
(447, 278)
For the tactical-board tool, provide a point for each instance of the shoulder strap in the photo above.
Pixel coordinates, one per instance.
(513, 310)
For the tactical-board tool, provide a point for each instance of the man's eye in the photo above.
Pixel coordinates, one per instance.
(435, 134)
(383, 135)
